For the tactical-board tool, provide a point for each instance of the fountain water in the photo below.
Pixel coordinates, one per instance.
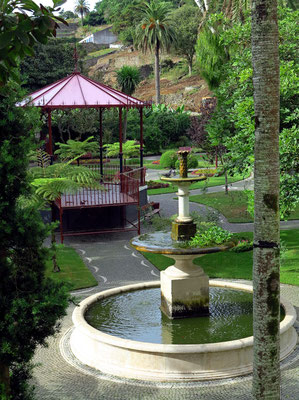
(184, 295)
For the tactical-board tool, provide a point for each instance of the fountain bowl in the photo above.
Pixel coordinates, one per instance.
(169, 362)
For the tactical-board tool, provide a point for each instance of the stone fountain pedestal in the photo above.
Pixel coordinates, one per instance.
(184, 289)
(184, 286)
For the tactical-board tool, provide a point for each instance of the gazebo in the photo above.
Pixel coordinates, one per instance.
(79, 91)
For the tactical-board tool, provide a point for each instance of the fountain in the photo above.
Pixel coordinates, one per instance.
(160, 349)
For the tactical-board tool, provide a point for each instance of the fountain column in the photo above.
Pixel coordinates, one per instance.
(184, 286)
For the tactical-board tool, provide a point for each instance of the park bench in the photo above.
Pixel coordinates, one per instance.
(150, 209)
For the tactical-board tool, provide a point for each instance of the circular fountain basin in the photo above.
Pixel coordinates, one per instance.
(161, 243)
(180, 180)
(169, 362)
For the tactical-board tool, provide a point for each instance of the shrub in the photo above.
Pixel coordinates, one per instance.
(209, 234)
(168, 159)
(191, 162)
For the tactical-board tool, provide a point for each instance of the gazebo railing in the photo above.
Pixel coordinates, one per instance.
(137, 174)
(111, 173)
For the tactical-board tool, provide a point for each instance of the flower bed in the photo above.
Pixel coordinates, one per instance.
(156, 185)
(204, 171)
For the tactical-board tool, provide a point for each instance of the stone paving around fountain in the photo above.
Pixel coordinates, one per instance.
(114, 263)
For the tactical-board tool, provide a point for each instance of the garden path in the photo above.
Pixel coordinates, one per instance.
(168, 205)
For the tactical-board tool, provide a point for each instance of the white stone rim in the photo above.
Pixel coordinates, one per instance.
(81, 324)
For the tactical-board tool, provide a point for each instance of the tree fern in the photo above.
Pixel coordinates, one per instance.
(75, 148)
(51, 181)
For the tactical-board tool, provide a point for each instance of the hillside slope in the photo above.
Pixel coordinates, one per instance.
(174, 91)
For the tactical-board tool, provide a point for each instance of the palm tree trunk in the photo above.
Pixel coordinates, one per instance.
(157, 73)
(190, 67)
(226, 182)
(82, 17)
(266, 281)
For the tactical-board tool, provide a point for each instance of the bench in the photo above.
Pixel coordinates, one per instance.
(150, 209)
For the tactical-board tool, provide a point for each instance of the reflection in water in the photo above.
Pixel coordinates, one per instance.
(136, 315)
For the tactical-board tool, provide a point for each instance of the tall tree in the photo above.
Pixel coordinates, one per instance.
(186, 20)
(128, 79)
(82, 8)
(155, 33)
(266, 282)
(30, 304)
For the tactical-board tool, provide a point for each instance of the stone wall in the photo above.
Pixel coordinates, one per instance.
(106, 36)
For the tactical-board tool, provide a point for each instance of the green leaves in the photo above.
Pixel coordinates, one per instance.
(232, 123)
(76, 148)
(209, 235)
(51, 181)
(22, 22)
(128, 79)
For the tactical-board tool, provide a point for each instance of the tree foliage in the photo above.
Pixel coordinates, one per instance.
(155, 33)
(75, 148)
(130, 149)
(186, 20)
(30, 303)
(23, 23)
(82, 8)
(128, 79)
(232, 123)
(52, 61)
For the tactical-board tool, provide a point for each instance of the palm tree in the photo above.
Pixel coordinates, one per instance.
(128, 79)
(82, 8)
(266, 281)
(155, 33)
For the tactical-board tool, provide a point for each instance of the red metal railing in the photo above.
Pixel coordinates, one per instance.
(124, 189)
(112, 172)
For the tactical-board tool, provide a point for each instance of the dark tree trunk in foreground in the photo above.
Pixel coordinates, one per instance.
(5, 378)
(266, 372)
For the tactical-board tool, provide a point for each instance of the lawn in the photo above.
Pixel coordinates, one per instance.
(213, 181)
(233, 205)
(231, 265)
(73, 270)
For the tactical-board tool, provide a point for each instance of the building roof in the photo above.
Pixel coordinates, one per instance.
(78, 91)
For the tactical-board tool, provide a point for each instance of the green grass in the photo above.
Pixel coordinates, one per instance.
(99, 53)
(233, 205)
(231, 265)
(73, 270)
(149, 165)
(213, 181)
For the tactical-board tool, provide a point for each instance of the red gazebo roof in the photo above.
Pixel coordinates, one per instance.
(78, 91)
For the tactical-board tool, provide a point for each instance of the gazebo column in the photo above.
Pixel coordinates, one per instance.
(50, 136)
(141, 145)
(120, 142)
(101, 142)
